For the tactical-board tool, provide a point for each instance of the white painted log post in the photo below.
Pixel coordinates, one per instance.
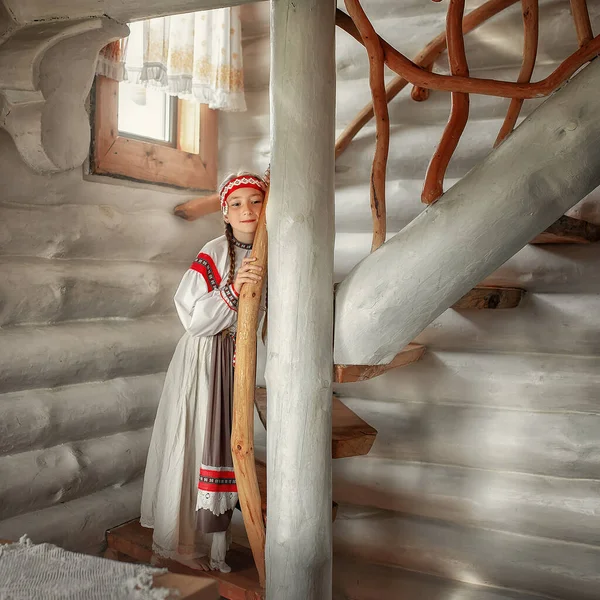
(542, 169)
(301, 238)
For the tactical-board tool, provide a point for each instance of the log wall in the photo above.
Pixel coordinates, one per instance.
(484, 480)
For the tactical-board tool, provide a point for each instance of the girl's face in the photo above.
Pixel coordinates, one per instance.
(244, 206)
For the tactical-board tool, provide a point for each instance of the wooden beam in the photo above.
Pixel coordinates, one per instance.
(135, 542)
(300, 221)
(125, 12)
(350, 435)
(198, 207)
(354, 373)
(482, 297)
(568, 230)
(242, 431)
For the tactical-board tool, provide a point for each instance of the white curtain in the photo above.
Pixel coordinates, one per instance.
(195, 56)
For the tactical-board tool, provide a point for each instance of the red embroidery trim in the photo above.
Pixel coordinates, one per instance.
(205, 265)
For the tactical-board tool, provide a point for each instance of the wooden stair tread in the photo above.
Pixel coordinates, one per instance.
(354, 373)
(261, 475)
(568, 230)
(350, 435)
(135, 542)
(490, 297)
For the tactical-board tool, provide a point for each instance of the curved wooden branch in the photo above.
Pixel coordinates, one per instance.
(425, 58)
(416, 75)
(242, 433)
(433, 186)
(582, 21)
(531, 21)
(419, 94)
(378, 92)
(198, 207)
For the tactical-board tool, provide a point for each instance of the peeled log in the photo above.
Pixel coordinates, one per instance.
(79, 525)
(39, 479)
(40, 418)
(300, 223)
(546, 166)
(36, 357)
(242, 432)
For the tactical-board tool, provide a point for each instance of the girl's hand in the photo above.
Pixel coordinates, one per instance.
(247, 273)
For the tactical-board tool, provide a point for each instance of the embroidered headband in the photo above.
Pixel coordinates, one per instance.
(243, 181)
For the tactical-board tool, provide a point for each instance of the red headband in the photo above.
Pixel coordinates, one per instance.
(244, 181)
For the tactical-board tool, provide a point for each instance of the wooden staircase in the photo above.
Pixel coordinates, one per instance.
(351, 435)
(131, 542)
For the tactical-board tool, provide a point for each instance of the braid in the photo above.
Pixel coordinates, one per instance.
(231, 249)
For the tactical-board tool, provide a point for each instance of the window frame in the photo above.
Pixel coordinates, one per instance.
(127, 157)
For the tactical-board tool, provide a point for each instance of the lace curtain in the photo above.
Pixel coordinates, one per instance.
(195, 56)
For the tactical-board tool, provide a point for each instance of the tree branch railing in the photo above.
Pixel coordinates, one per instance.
(242, 431)
(459, 83)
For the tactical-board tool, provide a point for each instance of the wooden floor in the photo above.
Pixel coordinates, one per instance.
(133, 543)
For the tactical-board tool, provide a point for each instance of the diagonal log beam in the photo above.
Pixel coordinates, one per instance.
(540, 171)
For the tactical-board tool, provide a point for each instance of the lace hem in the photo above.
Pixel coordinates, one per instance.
(217, 502)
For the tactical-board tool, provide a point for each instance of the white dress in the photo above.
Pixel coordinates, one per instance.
(206, 306)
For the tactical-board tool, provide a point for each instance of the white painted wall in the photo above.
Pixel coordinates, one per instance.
(486, 468)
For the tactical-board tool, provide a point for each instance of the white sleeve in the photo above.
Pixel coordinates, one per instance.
(203, 311)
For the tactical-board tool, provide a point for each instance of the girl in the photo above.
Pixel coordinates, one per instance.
(189, 486)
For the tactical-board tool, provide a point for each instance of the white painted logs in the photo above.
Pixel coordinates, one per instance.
(81, 524)
(550, 507)
(548, 164)
(534, 381)
(70, 471)
(496, 439)
(551, 568)
(37, 10)
(45, 417)
(85, 351)
(360, 580)
(36, 290)
(299, 364)
(100, 232)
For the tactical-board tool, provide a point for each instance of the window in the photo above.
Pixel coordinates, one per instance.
(149, 136)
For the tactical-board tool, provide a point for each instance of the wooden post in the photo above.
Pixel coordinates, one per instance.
(242, 433)
(299, 359)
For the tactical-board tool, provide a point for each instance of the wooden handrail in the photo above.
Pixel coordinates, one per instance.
(378, 93)
(531, 23)
(416, 75)
(433, 186)
(242, 433)
(425, 58)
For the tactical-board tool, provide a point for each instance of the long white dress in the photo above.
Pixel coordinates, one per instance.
(206, 305)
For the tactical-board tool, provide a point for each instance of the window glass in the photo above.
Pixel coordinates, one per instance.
(147, 113)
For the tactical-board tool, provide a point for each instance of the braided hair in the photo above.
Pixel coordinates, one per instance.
(231, 252)
(228, 228)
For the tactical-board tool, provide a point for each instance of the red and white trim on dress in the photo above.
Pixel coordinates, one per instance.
(230, 297)
(217, 490)
(245, 181)
(205, 265)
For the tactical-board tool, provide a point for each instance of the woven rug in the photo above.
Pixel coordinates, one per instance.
(43, 571)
